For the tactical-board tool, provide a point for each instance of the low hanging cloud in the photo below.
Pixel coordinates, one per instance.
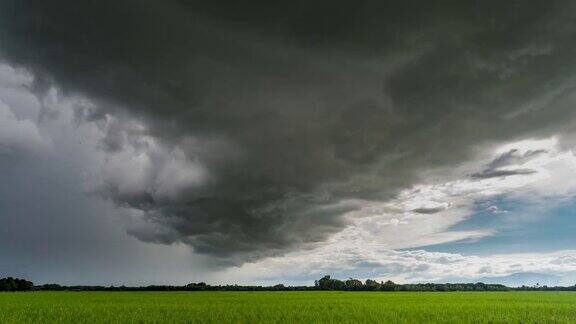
(500, 166)
(18, 136)
(487, 174)
(417, 266)
(429, 210)
(250, 130)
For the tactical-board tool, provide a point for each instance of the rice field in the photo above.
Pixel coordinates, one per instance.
(288, 307)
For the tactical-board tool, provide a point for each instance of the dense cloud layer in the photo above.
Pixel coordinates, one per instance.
(247, 130)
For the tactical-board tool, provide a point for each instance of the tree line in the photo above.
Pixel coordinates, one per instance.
(325, 283)
(15, 284)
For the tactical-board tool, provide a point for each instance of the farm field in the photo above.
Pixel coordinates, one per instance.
(288, 307)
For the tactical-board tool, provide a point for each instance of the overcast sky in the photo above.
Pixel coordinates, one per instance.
(277, 141)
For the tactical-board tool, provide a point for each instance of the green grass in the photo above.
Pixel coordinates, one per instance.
(282, 307)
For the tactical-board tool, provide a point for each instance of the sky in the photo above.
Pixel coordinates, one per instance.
(146, 142)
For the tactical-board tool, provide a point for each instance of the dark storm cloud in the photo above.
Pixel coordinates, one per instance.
(296, 107)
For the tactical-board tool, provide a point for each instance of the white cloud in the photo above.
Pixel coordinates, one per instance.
(14, 78)
(140, 164)
(401, 266)
(18, 134)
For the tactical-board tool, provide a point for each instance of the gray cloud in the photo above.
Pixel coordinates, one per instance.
(432, 210)
(511, 158)
(487, 174)
(294, 108)
(514, 157)
(50, 231)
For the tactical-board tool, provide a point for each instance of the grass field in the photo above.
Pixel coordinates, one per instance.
(282, 307)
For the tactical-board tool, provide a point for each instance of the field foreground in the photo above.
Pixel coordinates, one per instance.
(276, 307)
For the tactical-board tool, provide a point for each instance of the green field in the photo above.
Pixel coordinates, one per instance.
(282, 307)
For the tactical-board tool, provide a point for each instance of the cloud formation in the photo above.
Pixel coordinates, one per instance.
(417, 266)
(251, 130)
(17, 135)
(499, 167)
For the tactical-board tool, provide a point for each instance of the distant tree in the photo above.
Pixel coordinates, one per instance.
(353, 284)
(7, 284)
(326, 283)
(196, 286)
(15, 284)
(322, 282)
(52, 287)
(480, 286)
(371, 285)
(388, 286)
